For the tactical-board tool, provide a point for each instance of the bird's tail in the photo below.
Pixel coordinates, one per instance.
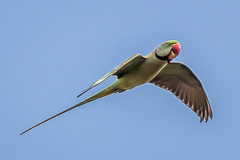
(107, 91)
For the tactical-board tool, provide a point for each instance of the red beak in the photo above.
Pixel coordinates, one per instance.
(176, 48)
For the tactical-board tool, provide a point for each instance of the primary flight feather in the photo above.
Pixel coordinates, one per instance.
(158, 69)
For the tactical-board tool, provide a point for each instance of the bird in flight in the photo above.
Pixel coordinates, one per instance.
(155, 68)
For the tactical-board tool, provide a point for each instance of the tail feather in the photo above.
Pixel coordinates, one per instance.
(109, 90)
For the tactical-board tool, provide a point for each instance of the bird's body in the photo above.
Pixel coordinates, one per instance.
(154, 68)
(141, 74)
(138, 75)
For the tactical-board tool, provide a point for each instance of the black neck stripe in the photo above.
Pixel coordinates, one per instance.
(161, 58)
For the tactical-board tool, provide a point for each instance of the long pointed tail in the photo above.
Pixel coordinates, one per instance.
(109, 90)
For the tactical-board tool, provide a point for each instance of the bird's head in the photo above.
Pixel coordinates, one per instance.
(168, 50)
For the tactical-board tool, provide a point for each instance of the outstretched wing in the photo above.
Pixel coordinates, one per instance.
(182, 82)
(120, 70)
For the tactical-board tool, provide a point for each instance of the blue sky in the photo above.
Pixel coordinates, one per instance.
(52, 50)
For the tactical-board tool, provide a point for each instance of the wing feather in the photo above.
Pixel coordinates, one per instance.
(183, 83)
(120, 70)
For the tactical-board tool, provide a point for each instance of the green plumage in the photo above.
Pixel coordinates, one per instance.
(154, 68)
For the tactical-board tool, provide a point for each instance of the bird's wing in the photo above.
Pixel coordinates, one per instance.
(183, 83)
(120, 70)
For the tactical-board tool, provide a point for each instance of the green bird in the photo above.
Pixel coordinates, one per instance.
(158, 69)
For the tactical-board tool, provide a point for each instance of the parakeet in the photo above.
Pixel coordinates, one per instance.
(155, 68)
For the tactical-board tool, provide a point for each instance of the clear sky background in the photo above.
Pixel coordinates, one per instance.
(52, 50)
